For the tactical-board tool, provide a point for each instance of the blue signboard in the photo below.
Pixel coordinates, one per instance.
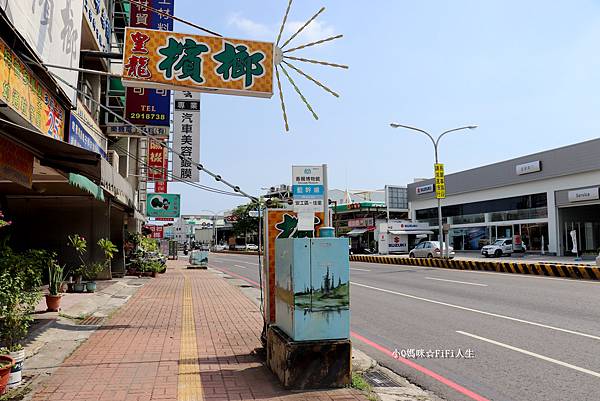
(309, 191)
(79, 136)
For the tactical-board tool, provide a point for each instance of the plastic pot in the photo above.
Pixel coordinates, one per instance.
(5, 371)
(53, 303)
(90, 286)
(17, 370)
(78, 287)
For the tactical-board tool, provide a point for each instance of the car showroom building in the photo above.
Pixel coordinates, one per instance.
(546, 198)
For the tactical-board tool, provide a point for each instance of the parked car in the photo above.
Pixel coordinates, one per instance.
(251, 247)
(219, 247)
(429, 249)
(500, 247)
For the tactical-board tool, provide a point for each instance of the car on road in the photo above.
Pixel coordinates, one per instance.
(500, 247)
(251, 247)
(429, 249)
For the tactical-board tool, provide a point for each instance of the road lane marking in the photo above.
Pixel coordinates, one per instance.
(533, 354)
(240, 266)
(236, 275)
(514, 319)
(455, 386)
(362, 270)
(455, 281)
(237, 260)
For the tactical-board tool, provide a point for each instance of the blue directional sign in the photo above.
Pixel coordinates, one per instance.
(308, 191)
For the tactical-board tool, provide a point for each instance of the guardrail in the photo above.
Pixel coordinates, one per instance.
(532, 268)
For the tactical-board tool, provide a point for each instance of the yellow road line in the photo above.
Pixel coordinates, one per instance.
(189, 387)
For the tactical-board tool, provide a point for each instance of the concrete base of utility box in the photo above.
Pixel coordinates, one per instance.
(309, 364)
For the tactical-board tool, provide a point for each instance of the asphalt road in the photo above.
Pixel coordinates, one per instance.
(532, 338)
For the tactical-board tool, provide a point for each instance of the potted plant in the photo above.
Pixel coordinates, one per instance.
(20, 279)
(6, 364)
(90, 273)
(79, 244)
(55, 280)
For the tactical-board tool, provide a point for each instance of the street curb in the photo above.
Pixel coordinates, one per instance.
(238, 252)
(537, 269)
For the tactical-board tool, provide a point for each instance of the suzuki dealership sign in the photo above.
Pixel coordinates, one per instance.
(166, 60)
(163, 205)
(424, 189)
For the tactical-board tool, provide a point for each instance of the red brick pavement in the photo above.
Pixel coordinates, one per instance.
(135, 355)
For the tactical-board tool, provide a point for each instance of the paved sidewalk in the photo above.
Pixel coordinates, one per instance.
(186, 335)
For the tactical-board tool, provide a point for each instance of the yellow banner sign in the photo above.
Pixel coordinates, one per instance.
(440, 181)
(167, 60)
(26, 96)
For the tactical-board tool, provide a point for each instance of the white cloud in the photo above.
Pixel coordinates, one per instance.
(251, 29)
(316, 30)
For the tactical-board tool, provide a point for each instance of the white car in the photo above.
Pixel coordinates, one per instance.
(500, 247)
(429, 249)
(251, 247)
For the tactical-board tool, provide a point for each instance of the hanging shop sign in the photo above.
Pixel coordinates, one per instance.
(440, 181)
(163, 205)
(96, 17)
(160, 187)
(147, 106)
(128, 130)
(16, 163)
(166, 60)
(157, 232)
(24, 95)
(280, 224)
(53, 30)
(84, 132)
(186, 135)
(157, 160)
(307, 188)
(362, 222)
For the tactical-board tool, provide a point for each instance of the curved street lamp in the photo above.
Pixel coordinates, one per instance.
(436, 143)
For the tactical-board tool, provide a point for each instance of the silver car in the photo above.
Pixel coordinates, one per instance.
(429, 249)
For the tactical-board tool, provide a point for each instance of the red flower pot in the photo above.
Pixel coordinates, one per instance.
(53, 302)
(7, 363)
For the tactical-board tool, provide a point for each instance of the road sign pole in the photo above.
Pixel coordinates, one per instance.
(325, 197)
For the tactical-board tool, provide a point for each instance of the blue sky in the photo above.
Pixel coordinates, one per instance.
(528, 73)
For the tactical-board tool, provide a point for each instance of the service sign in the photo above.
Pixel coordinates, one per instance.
(128, 130)
(84, 132)
(163, 205)
(307, 188)
(186, 135)
(160, 187)
(16, 163)
(440, 181)
(157, 159)
(167, 60)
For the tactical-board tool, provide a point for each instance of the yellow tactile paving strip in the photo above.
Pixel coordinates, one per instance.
(189, 386)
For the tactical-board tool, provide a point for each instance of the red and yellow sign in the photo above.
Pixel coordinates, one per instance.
(25, 95)
(16, 163)
(157, 162)
(280, 224)
(163, 59)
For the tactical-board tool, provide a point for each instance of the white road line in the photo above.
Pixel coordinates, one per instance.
(362, 270)
(533, 354)
(240, 266)
(237, 260)
(455, 281)
(514, 319)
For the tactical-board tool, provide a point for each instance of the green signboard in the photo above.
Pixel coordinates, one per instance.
(163, 205)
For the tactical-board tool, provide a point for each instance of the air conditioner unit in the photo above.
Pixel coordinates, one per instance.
(113, 159)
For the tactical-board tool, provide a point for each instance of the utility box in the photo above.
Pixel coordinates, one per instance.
(198, 259)
(312, 288)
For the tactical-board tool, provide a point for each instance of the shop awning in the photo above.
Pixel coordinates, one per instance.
(52, 152)
(357, 231)
(401, 232)
(87, 185)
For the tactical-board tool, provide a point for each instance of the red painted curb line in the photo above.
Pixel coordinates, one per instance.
(455, 386)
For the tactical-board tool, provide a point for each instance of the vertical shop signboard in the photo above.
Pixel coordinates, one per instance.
(440, 181)
(186, 135)
(157, 155)
(145, 106)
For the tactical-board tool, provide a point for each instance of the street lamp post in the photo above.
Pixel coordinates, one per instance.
(435, 148)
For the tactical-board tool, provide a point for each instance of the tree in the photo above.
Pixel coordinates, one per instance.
(244, 224)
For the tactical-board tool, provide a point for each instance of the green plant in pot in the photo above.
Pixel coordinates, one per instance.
(93, 269)
(20, 280)
(79, 244)
(56, 277)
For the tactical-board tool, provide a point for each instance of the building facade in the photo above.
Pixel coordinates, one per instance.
(549, 199)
